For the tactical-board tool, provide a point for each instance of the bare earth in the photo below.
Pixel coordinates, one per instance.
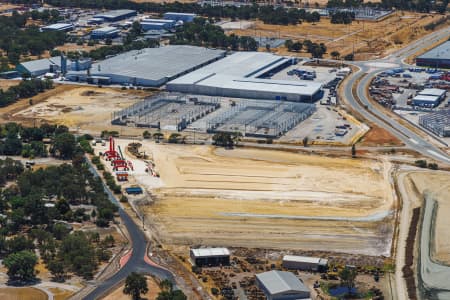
(367, 39)
(437, 185)
(260, 198)
(81, 108)
(22, 294)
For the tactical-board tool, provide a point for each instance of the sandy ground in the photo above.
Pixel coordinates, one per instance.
(367, 39)
(83, 108)
(5, 83)
(118, 294)
(437, 186)
(261, 198)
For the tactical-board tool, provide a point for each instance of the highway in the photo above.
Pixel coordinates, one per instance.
(374, 113)
(136, 263)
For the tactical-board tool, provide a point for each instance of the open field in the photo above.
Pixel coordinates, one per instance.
(437, 186)
(78, 107)
(367, 39)
(25, 293)
(270, 199)
(153, 290)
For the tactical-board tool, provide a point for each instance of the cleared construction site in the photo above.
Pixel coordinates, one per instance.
(437, 122)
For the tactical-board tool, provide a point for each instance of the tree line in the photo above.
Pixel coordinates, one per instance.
(25, 89)
(17, 39)
(316, 50)
(202, 33)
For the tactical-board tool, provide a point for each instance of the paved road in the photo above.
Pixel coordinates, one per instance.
(136, 263)
(373, 113)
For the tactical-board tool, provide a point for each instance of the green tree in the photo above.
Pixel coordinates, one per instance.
(64, 146)
(348, 276)
(158, 136)
(335, 54)
(174, 138)
(135, 285)
(57, 269)
(21, 265)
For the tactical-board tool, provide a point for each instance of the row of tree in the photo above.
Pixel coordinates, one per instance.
(342, 17)
(316, 50)
(17, 39)
(25, 89)
(202, 33)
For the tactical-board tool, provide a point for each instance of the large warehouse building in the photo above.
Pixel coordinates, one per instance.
(243, 75)
(278, 285)
(116, 15)
(438, 57)
(150, 66)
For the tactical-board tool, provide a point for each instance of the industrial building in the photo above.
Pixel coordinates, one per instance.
(149, 66)
(438, 57)
(437, 122)
(244, 75)
(58, 27)
(52, 65)
(210, 257)
(279, 285)
(157, 24)
(116, 15)
(185, 17)
(429, 97)
(105, 33)
(305, 263)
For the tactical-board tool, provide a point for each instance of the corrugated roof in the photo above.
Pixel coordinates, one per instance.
(432, 92)
(57, 26)
(306, 259)
(115, 13)
(205, 252)
(156, 63)
(440, 52)
(277, 282)
(238, 71)
(426, 98)
(41, 64)
(105, 29)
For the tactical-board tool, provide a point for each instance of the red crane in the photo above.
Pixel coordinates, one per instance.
(111, 154)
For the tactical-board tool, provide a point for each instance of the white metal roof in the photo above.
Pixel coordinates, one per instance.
(238, 71)
(105, 29)
(205, 252)
(277, 282)
(305, 259)
(115, 13)
(57, 26)
(440, 52)
(149, 20)
(426, 98)
(41, 64)
(432, 92)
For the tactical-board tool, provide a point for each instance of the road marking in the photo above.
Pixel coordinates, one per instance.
(414, 141)
(438, 155)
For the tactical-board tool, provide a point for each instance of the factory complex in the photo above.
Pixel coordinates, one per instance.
(245, 75)
(148, 67)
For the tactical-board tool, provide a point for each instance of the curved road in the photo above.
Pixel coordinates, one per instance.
(137, 262)
(373, 113)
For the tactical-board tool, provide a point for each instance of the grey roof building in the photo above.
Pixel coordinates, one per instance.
(40, 66)
(116, 15)
(154, 66)
(438, 57)
(279, 285)
(244, 75)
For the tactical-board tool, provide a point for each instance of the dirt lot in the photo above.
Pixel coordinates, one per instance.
(87, 109)
(378, 136)
(261, 198)
(5, 84)
(367, 39)
(22, 294)
(437, 184)
(153, 290)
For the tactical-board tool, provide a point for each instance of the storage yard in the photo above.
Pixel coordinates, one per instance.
(221, 197)
(417, 94)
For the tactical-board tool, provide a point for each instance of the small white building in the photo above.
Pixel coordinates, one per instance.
(305, 263)
(205, 257)
(279, 285)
